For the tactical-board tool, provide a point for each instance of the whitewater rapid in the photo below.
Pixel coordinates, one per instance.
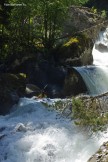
(100, 49)
(35, 133)
(96, 76)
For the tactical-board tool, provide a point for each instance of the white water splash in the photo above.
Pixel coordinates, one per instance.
(32, 133)
(100, 49)
(95, 78)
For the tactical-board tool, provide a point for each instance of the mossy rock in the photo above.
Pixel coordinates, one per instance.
(12, 86)
(71, 41)
(74, 47)
(70, 47)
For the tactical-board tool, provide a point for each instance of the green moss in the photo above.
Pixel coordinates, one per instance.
(23, 75)
(87, 113)
(94, 10)
(70, 42)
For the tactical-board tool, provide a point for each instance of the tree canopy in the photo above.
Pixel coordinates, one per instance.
(27, 25)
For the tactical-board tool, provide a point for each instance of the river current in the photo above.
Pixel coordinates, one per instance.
(32, 132)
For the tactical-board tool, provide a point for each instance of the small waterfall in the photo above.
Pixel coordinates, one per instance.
(96, 76)
(100, 49)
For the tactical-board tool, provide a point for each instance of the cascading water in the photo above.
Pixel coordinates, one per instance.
(100, 49)
(32, 133)
(96, 76)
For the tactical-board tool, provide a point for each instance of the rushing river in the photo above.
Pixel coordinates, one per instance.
(35, 133)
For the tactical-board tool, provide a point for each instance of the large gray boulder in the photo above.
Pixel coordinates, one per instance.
(73, 84)
(81, 29)
(83, 19)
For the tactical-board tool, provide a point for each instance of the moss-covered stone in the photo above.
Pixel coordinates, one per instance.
(70, 42)
(71, 52)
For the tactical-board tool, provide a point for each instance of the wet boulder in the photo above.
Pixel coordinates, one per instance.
(101, 155)
(32, 90)
(12, 87)
(75, 51)
(73, 84)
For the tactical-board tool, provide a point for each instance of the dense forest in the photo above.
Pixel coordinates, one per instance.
(28, 26)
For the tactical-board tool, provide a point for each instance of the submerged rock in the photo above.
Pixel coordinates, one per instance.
(21, 128)
(2, 136)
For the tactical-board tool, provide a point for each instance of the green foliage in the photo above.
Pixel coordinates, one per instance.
(81, 2)
(30, 22)
(62, 106)
(94, 10)
(51, 15)
(28, 25)
(4, 22)
(88, 114)
(103, 14)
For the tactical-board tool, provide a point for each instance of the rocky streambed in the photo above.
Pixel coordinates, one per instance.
(101, 155)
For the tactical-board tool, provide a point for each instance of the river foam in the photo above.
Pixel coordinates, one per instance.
(35, 133)
(96, 76)
(100, 49)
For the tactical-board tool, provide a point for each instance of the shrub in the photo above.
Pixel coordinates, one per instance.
(88, 113)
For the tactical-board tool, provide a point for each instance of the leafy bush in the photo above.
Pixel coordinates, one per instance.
(88, 113)
(103, 14)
